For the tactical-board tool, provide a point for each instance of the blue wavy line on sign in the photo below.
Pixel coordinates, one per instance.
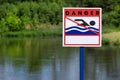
(75, 30)
(81, 28)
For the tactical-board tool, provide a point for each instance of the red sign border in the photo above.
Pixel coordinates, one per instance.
(82, 45)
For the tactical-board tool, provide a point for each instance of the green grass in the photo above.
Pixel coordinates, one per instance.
(105, 41)
(109, 29)
(35, 33)
(112, 38)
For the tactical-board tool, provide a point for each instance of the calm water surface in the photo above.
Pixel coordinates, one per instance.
(45, 59)
(102, 63)
(37, 59)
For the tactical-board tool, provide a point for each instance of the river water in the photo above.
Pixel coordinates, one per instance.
(46, 59)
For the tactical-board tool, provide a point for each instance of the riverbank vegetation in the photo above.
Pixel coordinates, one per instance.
(43, 32)
(112, 38)
(28, 16)
(44, 17)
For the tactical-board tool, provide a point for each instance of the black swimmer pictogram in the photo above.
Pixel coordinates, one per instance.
(82, 27)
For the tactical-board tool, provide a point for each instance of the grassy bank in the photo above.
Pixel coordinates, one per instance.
(111, 39)
(42, 32)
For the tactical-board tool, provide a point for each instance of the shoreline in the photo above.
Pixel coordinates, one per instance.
(111, 39)
(43, 32)
(108, 39)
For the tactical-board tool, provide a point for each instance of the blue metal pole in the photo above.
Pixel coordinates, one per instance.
(81, 63)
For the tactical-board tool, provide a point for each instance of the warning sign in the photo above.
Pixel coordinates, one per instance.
(82, 27)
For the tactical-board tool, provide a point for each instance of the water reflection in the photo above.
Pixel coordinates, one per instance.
(45, 59)
(102, 64)
(37, 59)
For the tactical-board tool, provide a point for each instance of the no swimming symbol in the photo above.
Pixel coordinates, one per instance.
(81, 28)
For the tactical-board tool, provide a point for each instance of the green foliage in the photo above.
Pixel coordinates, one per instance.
(3, 27)
(115, 15)
(112, 19)
(11, 23)
(105, 41)
(117, 43)
(39, 33)
(16, 15)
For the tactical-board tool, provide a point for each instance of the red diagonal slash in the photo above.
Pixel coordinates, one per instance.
(82, 25)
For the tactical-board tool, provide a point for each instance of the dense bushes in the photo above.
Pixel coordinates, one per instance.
(30, 14)
(15, 17)
(11, 23)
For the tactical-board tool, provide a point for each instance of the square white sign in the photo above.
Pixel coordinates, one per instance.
(82, 27)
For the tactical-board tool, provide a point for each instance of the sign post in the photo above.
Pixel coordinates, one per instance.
(81, 63)
(82, 28)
